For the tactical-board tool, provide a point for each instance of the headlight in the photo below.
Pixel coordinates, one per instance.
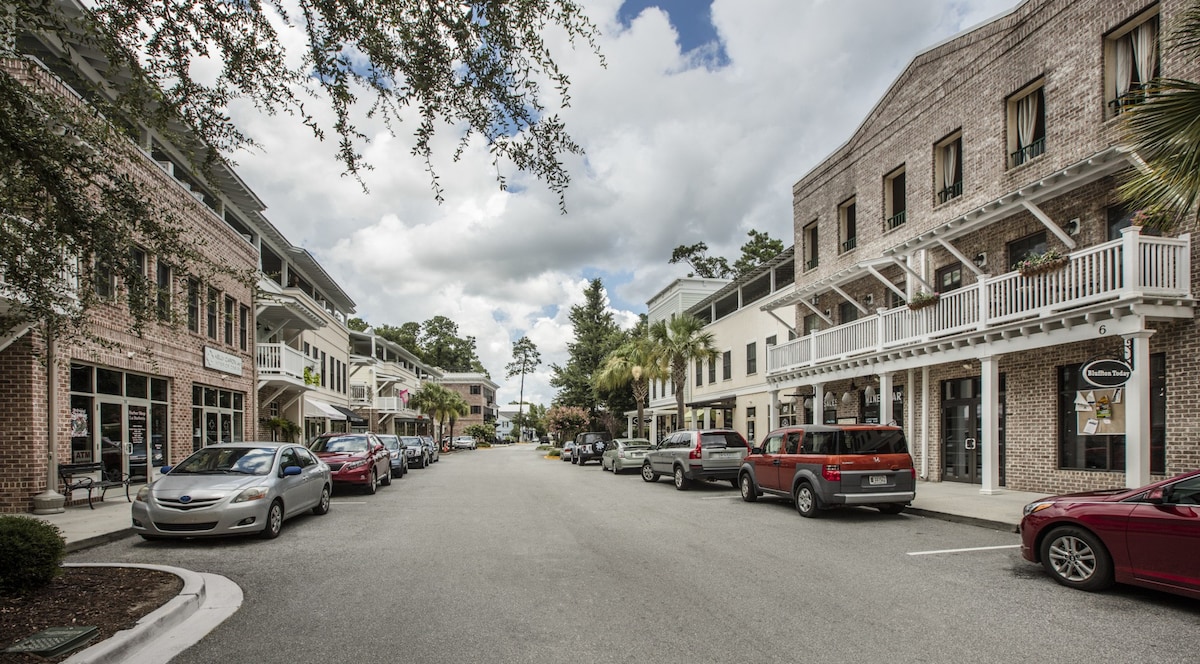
(253, 493)
(355, 464)
(1038, 506)
(395, 454)
(143, 493)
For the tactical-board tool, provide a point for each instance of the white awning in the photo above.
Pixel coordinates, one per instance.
(318, 408)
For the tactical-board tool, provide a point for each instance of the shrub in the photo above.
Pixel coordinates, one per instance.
(554, 452)
(483, 444)
(31, 553)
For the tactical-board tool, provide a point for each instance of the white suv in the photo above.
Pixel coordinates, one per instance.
(463, 443)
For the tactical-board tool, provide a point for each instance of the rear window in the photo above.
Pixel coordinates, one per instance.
(722, 439)
(872, 441)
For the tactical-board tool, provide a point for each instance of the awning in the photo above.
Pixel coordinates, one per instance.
(318, 408)
(727, 401)
(355, 419)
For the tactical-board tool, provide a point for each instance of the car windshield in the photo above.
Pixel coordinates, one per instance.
(411, 442)
(872, 441)
(722, 439)
(340, 444)
(390, 442)
(218, 460)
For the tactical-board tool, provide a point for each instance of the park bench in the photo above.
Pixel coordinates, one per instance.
(79, 476)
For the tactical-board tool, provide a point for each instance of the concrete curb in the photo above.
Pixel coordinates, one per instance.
(966, 520)
(89, 542)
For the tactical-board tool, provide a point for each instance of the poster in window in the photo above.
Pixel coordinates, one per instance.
(79, 422)
(1100, 412)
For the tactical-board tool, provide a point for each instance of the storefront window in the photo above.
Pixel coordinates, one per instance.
(870, 407)
(115, 413)
(1092, 421)
(217, 416)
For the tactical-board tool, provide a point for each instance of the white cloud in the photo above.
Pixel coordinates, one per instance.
(675, 155)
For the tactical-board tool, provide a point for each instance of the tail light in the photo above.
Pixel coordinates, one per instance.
(832, 472)
(914, 474)
(697, 452)
(621, 454)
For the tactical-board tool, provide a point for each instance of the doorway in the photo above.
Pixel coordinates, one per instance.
(962, 439)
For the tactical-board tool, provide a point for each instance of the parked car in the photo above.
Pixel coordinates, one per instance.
(233, 489)
(1147, 537)
(356, 459)
(823, 466)
(463, 443)
(416, 450)
(396, 451)
(434, 449)
(624, 453)
(568, 450)
(705, 454)
(589, 446)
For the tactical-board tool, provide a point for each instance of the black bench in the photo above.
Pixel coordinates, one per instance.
(77, 476)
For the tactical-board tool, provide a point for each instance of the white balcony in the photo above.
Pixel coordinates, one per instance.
(1155, 269)
(282, 361)
(362, 395)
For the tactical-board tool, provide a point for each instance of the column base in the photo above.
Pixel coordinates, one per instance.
(49, 502)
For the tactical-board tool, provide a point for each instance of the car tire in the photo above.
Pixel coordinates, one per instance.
(890, 508)
(574, 461)
(370, 488)
(749, 491)
(274, 521)
(648, 473)
(682, 483)
(387, 478)
(563, 458)
(322, 506)
(807, 503)
(1077, 559)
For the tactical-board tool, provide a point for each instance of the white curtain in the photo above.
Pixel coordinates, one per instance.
(949, 164)
(1124, 66)
(1144, 38)
(1027, 110)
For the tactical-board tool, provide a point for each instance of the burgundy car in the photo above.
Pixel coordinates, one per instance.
(358, 459)
(1144, 537)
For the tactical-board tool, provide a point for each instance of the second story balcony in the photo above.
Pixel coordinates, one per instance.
(1148, 276)
(280, 361)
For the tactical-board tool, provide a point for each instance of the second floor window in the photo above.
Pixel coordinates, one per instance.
(810, 246)
(847, 313)
(475, 389)
(243, 326)
(1019, 250)
(230, 307)
(848, 225)
(727, 365)
(948, 278)
(895, 206)
(193, 305)
(1132, 60)
(712, 371)
(812, 323)
(1026, 126)
(751, 358)
(948, 171)
(212, 313)
(163, 291)
(699, 373)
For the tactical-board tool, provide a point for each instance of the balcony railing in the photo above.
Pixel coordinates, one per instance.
(282, 360)
(361, 394)
(953, 191)
(896, 220)
(811, 264)
(1022, 155)
(1134, 265)
(849, 244)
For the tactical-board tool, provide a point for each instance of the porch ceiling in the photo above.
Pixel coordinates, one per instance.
(278, 310)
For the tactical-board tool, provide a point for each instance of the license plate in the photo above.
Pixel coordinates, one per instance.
(727, 455)
(876, 480)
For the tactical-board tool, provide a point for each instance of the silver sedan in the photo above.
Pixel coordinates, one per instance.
(624, 453)
(232, 489)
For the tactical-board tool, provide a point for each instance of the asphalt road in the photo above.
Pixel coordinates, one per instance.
(502, 556)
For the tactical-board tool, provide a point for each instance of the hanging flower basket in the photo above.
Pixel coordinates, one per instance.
(1050, 261)
(922, 300)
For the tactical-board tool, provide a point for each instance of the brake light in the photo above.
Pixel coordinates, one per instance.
(832, 472)
(914, 473)
(697, 452)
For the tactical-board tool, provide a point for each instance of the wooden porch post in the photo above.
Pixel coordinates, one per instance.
(1137, 412)
(990, 424)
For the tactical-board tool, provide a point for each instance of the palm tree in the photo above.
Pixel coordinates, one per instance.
(439, 403)
(1164, 130)
(455, 407)
(633, 363)
(679, 342)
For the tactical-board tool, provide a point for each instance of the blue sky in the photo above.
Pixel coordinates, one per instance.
(692, 19)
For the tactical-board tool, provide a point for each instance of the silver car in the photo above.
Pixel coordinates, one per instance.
(233, 489)
(688, 456)
(624, 453)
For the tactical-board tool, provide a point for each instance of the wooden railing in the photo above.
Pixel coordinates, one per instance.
(1134, 265)
(282, 360)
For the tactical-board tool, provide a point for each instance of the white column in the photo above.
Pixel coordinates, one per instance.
(654, 427)
(773, 412)
(924, 421)
(629, 425)
(885, 398)
(1137, 412)
(818, 409)
(989, 425)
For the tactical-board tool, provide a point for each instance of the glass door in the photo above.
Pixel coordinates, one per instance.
(112, 440)
(961, 453)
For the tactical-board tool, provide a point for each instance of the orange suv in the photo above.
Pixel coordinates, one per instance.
(823, 466)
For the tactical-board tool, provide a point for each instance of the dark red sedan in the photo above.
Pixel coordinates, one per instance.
(357, 459)
(1144, 537)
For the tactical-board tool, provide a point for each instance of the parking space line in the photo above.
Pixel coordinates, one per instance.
(719, 497)
(974, 548)
(348, 502)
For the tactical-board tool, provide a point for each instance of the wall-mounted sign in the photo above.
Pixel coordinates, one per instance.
(222, 361)
(1106, 373)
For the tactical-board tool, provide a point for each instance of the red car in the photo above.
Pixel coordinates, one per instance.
(1144, 537)
(358, 459)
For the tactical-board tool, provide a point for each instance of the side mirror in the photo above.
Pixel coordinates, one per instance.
(1157, 497)
(292, 470)
(165, 469)
(756, 450)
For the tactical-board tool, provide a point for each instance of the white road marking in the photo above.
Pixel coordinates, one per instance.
(976, 548)
(348, 502)
(719, 497)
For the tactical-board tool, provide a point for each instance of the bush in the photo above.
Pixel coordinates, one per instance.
(554, 452)
(483, 444)
(31, 553)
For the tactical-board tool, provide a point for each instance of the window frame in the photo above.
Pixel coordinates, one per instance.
(894, 216)
(847, 225)
(812, 254)
(727, 365)
(1013, 259)
(1019, 155)
(942, 193)
(752, 358)
(1113, 107)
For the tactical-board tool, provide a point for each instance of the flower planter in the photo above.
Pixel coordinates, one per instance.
(1042, 267)
(921, 302)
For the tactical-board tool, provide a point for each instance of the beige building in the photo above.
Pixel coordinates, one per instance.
(384, 378)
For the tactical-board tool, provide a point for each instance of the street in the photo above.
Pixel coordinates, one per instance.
(499, 555)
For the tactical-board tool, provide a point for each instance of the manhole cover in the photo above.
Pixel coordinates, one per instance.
(55, 641)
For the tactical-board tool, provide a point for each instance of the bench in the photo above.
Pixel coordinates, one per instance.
(78, 476)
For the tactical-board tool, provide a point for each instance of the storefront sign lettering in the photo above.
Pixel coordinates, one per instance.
(1106, 373)
(222, 361)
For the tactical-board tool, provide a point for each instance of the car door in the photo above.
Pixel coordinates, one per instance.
(292, 488)
(661, 459)
(766, 464)
(788, 459)
(314, 479)
(1163, 540)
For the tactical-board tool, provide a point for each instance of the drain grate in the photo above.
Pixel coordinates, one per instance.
(55, 641)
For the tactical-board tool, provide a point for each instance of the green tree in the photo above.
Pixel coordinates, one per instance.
(357, 324)
(482, 433)
(1164, 130)
(442, 347)
(634, 364)
(403, 336)
(566, 421)
(759, 249)
(596, 335)
(679, 342)
(440, 404)
(702, 264)
(526, 359)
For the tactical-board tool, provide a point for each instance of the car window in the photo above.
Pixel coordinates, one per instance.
(873, 441)
(773, 444)
(722, 439)
(636, 444)
(793, 443)
(304, 457)
(287, 458)
(1186, 492)
(217, 460)
(818, 442)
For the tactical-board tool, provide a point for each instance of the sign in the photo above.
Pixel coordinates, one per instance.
(1106, 373)
(222, 361)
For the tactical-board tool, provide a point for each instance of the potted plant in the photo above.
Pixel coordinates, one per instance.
(1049, 261)
(921, 299)
(286, 428)
(311, 377)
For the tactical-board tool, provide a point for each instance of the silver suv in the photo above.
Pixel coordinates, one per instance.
(687, 456)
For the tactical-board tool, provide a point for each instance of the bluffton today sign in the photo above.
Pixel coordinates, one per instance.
(1106, 373)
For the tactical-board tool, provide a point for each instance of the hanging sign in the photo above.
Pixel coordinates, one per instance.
(1106, 373)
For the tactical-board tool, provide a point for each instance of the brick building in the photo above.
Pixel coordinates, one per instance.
(480, 394)
(996, 148)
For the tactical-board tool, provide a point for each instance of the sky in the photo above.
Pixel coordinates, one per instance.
(705, 115)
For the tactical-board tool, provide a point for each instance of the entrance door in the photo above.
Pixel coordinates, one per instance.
(135, 449)
(962, 436)
(112, 440)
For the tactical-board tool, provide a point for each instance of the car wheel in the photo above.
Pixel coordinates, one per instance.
(387, 478)
(648, 473)
(574, 461)
(563, 458)
(323, 506)
(370, 489)
(682, 483)
(749, 493)
(890, 508)
(807, 503)
(274, 521)
(1077, 559)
